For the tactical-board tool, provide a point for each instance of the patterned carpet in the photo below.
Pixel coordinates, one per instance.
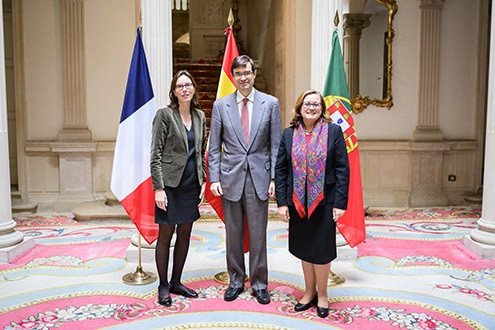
(412, 272)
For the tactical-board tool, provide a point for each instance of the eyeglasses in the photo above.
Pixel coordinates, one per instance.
(312, 105)
(246, 74)
(186, 86)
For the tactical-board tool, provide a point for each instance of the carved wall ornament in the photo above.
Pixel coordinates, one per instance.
(211, 12)
(431, 4)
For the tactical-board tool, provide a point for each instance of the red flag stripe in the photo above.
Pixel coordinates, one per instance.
(140, 205)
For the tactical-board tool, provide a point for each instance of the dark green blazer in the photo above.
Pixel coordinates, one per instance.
(169, 147)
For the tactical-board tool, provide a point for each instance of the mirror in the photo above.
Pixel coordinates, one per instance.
(375, 58)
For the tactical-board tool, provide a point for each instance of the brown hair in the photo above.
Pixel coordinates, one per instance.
(174, 101)
(297, 119)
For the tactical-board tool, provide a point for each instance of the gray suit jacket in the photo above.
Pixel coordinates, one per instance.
(229, 165)
(169, 147)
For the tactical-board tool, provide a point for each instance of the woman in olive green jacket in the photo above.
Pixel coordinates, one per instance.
(178, 172)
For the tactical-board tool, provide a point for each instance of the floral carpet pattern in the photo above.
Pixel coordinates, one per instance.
(412, 272)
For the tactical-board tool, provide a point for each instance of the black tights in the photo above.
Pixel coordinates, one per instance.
(162, 252)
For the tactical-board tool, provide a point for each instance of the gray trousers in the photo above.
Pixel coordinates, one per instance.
(256, 211)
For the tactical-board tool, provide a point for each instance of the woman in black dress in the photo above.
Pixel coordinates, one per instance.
(178, 174)
(311, 183)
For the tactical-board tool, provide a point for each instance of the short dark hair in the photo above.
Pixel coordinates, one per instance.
(242, 60)
(174, 101)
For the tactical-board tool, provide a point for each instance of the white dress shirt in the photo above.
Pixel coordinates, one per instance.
(240, 102)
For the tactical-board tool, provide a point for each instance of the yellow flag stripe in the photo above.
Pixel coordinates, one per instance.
(225, 86)
(330, 99)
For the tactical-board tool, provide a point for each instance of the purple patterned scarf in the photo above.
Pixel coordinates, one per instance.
(308, 167)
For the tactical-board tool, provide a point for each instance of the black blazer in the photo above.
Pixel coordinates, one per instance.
(336, 171)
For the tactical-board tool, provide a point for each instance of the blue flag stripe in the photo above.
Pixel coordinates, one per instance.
(138, 90)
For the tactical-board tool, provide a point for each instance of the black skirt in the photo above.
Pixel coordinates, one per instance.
(183, 200)
(313, 240)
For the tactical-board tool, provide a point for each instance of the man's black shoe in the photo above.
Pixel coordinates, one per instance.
(232, 293)
(262, 296)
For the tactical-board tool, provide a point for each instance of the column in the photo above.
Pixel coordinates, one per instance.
(427, 148)
(157, 39)
(12, 242)
(353, 27)
(74, 70)
(8, 236)
(322, 26)
(482, 239)
(429, 50)
(74, 145)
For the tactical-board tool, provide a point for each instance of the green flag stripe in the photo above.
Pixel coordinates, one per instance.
(336, 82)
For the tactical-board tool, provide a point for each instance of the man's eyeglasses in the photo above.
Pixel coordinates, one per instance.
(246, 74)
(186, 86)
(312, 105)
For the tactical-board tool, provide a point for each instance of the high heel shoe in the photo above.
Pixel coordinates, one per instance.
(302, 307)
(322, 311)
(165, 300)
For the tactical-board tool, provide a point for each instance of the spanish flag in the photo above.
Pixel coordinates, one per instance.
(226, 86)
(351, 224)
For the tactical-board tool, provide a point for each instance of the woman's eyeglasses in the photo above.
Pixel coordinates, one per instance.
(312, 105)
(184, 86)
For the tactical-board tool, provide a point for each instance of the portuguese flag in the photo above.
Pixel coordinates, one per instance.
(336, 94)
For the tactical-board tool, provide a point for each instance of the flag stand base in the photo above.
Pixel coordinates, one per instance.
(334, 279)
(139, 277)
(224, 278)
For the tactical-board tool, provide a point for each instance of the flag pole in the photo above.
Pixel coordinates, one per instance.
(139, 277)
(223, 277)
(334, 279)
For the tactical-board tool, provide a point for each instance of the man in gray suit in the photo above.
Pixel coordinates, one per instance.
(245, 135)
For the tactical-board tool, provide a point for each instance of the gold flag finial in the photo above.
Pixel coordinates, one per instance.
(336, 18)
(230, 19)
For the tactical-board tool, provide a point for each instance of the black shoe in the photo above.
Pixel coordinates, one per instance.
(302, 307)
(262, 296)
(232, 293)
(165, 300)
(322, 311)
(184, 291)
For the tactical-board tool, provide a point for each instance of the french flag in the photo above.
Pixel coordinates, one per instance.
(131, 178)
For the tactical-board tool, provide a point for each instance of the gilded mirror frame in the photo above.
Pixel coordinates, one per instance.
(360, 103)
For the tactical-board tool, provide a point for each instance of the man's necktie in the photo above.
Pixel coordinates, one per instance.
(245, 119)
